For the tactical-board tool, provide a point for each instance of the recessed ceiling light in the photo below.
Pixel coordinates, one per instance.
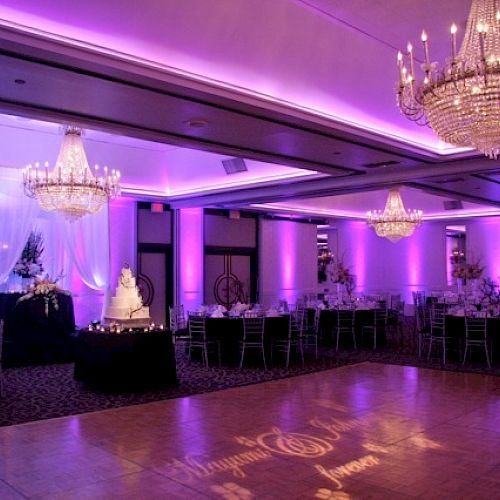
(196, 122)
(19, 81)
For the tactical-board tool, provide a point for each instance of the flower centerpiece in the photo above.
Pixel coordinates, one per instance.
(341, 274)
(45, 289)
(474, 271)
(30, 263)
(459, 271)
(490, 291)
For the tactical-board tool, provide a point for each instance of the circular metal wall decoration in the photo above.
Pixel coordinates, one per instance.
(228, 289)
(146, 289)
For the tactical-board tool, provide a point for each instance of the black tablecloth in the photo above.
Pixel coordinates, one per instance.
(328, 322)
(125, 361)
(30, 336)
(455, 327)
(229, 332)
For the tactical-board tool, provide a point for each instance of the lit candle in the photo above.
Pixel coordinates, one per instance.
(161, 326)
(426, 47)
(400, 66)
(453, 31)
(410, 54)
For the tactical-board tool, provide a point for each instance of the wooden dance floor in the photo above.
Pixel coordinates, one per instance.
(362, 431)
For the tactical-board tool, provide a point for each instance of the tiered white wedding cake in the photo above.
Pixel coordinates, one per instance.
(126, 307)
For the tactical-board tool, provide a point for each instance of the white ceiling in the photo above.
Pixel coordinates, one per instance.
(357, 204)
(147, 167)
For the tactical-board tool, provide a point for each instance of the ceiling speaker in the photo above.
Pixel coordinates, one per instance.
(234, 165)
(453, 205)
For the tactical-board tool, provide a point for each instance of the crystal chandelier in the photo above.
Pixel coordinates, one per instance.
(395, 222)
(71, 188)
(461, 100)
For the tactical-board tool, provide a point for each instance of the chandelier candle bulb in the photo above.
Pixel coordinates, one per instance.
(453, 31)
(426, 47)
(410, 54)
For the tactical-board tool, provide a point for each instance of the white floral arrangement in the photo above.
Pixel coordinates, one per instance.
(30, 264)
(46, 289)
(340, 273)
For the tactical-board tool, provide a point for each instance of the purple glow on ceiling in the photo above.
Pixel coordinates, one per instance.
(281, 63)
(191, 257)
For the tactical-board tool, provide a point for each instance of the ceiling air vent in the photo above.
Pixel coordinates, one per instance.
(381, 164)
(453, 205)
(234, 165)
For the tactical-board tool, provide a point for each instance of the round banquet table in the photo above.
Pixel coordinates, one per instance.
(125, 361)
(328, 322)
(229, 332)
(455, 327)
(33, 338)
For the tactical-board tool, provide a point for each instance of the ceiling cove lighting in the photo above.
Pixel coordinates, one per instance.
(395, 222)
(71, 188)
(461, 99)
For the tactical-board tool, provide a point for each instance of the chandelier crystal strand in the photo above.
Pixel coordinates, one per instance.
(395, 222)
(71, 188)
(461, 100)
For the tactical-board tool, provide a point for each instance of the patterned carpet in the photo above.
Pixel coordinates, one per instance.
(41, 392)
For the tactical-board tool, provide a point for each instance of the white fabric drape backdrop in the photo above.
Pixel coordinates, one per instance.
(87, 242)
(17, 213)
(88, 246)
(55, 257)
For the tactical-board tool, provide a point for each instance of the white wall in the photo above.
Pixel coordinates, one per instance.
(225, 232)
(483, 244)
(287, 260)
(122, 236)
(414, 263)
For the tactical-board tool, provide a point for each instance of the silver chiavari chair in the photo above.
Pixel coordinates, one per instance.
(253, 337)
(476, 336)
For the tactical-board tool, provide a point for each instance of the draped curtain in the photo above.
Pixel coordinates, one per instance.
(88, 246)
(17, 213)
(55, 258)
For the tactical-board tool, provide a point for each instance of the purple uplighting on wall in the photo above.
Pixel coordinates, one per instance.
(414, 266)
(483, 241)
(359, 249)
(288, 235)
(191, 257)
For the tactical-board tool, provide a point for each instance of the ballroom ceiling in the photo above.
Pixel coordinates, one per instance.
(169, 89)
